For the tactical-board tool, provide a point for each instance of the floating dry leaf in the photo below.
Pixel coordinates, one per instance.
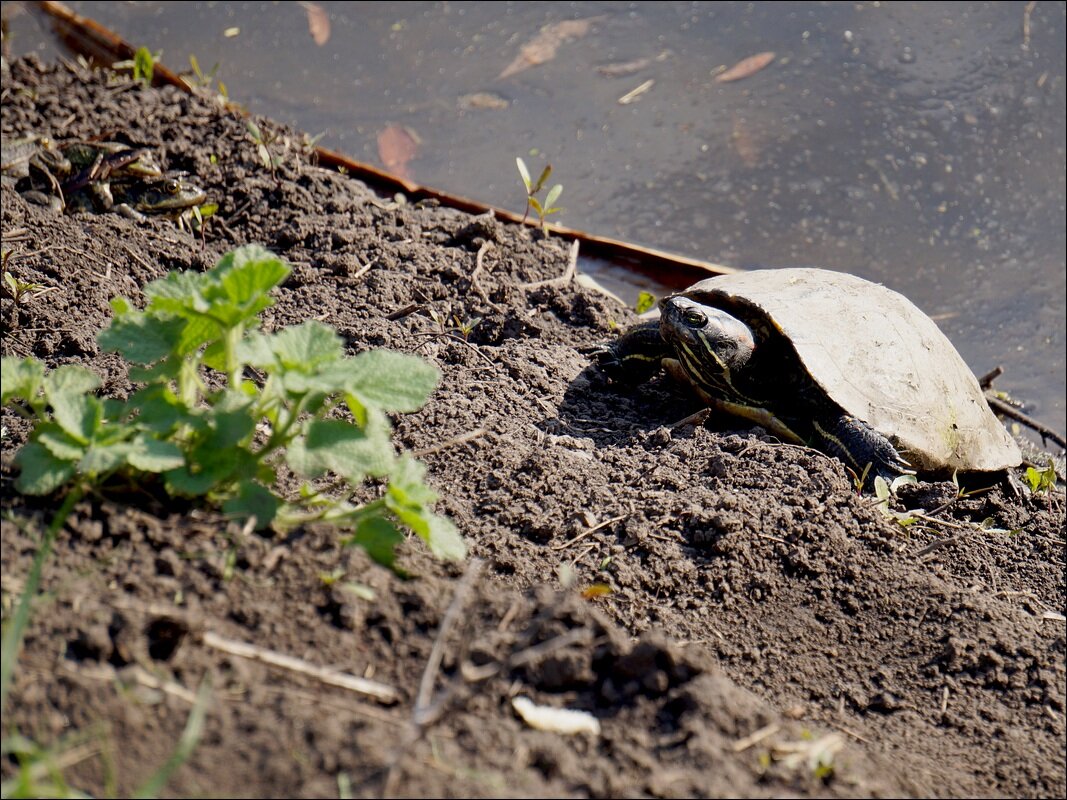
(397, 145)
(623, 68)
(482, 100)
(543, 47)
(745, 67)
(318, 22)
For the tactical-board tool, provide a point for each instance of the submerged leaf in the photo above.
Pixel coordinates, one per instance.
(746, 67)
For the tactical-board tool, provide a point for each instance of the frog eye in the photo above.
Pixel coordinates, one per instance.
(171, 186)
(694, 318)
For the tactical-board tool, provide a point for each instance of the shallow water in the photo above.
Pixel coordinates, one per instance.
(917, 144)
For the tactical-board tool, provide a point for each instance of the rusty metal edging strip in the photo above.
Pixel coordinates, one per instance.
(91, 39)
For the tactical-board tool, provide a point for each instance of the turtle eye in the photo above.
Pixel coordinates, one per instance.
(695, 318)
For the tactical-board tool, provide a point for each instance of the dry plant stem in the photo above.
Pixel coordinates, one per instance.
(756, 737)
(433, 663)
(588, 531)
(463, 438)
(479, 265)
(1008, 410)
(568, 273)
(986, 380)
(380, 691)
(424, 713)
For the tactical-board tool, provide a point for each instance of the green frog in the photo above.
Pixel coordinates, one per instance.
(171, 195)
(46, 173)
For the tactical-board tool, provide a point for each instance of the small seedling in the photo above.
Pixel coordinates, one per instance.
(143, 65)
(261, 141)
(20, 290)
(532, 189)
(1041, 481)
(204, 79)
(884, 490)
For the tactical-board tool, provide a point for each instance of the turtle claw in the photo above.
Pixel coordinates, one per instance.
(868, 453)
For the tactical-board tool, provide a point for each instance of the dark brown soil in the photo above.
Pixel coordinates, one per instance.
(750, 585)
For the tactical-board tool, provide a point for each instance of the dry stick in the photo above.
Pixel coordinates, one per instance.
(332, 677)
(479, 264)
(568, 274)
(756, 737)
(433, 663)
(588, 531)
(423, 712)
(463, 438)
(986, 380)
(1008, 410)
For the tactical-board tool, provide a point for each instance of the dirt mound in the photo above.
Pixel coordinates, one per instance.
(767, 631)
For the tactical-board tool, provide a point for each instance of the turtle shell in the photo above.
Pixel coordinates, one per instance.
(877, 356)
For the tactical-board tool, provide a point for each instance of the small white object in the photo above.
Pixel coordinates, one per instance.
(557, 720)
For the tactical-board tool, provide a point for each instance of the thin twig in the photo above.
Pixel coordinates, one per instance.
(568, 274)
(479, 265)
(463, 438)
(1008, 410)
(380, 691)
(756, 737)
(987, 380)
(424, 712)
(588, 531)
(433, 663)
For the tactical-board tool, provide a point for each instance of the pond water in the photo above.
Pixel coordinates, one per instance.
(921, 145)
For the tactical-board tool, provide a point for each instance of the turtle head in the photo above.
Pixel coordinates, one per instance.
(709, 343)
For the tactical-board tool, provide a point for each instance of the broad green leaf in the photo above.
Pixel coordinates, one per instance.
(444, 538)
(248, 273)
(306, 346)
(379, 537)
(79, 415)
(70, 380)
(101, 459)
(157, 408)
(58, 442)
(390, 381)
(140, 338)
(340, 447)
(255, 350)
(177, 293)
(407, 483)
(253, 500)
(154, 455)
(42, 473)
(20, 378)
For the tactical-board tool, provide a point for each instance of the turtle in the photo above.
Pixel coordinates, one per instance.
(824, 359)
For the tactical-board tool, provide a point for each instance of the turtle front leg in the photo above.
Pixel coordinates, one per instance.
(867, 452)
(635, 356)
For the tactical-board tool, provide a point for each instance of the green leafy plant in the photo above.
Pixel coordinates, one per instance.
(20, 290)
(208, 432)
(261, 142)
(532, 189)
(143, 65)
(1041, 481)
